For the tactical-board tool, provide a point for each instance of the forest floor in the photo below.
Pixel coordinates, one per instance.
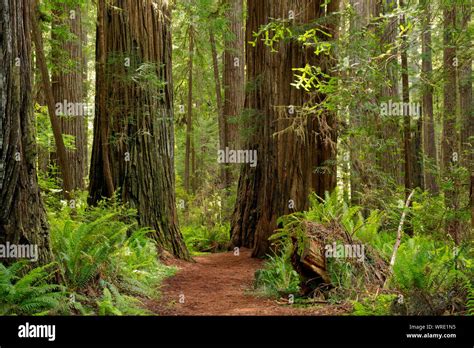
(222, 284)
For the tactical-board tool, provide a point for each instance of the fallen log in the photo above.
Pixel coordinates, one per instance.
(310, 261)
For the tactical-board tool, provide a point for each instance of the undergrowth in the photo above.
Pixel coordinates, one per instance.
(430, 272)
(104, 264)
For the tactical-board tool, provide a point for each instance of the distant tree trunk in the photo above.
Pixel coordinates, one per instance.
(389, 127)
(22, 214)
(189, 115)
(100, 177)
(220, 110)
(234, 80)
(289, 166)
(407, 141)
(67, 83)
(467, 109)
(139, 114)
(450, 140)
(46, 83)
(418, 179)
(360, 165)
(39, 98)
(429, 142)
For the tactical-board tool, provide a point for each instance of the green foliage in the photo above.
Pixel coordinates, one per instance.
(84, 250)
(470, 298)
(101, 251)
(204, 239)
(377, 305)
(423, 263)
(28, 292)
(431, 274)
(112, 302)
(277, 277)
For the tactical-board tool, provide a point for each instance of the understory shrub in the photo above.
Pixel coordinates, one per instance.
(207, 239)
(105, 260)
(277, 277)
(25, 291)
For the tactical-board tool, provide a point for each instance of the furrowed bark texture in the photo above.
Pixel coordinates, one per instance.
(138, 114)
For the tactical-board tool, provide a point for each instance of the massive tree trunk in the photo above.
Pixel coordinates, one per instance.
(293, 163)
(429, 142)
(22, 215)
(139, 116)
(67, 83)
(450, 139)
(234, 81)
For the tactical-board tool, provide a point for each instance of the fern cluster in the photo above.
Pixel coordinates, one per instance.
(102, 252)
(206, 239)
(28, 292)
(277, 277)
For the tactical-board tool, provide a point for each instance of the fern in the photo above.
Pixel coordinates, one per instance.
(470, 298)
(28, 294)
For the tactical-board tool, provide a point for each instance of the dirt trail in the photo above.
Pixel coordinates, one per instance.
(220, 284)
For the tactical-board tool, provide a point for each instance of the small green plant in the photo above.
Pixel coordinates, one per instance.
(470, 298)
(112, 302)
(277, 277)
(377, 305)
(29, 292)
(203, 239)
(431, 274)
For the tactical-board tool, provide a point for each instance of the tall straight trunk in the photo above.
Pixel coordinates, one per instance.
(467, 108)
(450, 139)
(407, 141)
(389, 127)
(139, 116)
(39, 98)
(67, 84)
(429, 141)
(46, 83)
(22, 214)
(287, 166)
(361, 166)
(100, 177)
(189, 115)
(418, 163)
(220, 110)
(234, 80)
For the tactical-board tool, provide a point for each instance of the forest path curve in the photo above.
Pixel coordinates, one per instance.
(221, 284)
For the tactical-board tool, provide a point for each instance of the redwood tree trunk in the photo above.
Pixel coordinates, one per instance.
(467, 108)
(407, 141)
(189, 150)
(287, 163)
(234, 81)
(67, 84)
(22, 215)
(429, 142)
(139, 116)
(450, 139)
